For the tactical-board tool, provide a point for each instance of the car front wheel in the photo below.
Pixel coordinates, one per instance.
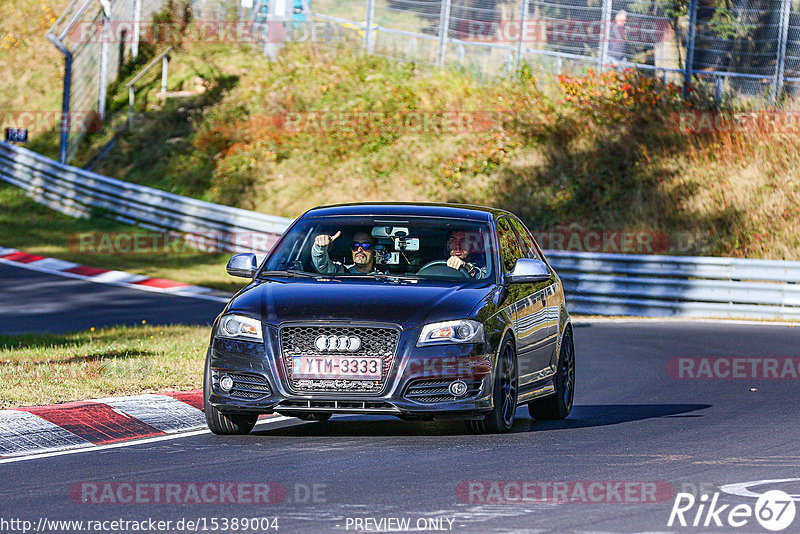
(559, 405)
(506, 381)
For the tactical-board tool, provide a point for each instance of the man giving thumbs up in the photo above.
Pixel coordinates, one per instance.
(362, 249)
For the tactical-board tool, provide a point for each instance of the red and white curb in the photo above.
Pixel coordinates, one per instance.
(98, 422)
(40, 429)
(68, 269)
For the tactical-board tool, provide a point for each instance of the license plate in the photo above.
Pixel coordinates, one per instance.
(319, 367)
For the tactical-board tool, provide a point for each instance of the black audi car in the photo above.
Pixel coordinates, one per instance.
(422, 311)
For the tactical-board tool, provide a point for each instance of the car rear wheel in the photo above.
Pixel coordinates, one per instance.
(559, 405)
(317, 417)
(506, 382)
(221, 422)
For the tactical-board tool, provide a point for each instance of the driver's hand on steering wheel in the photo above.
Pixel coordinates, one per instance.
(454, 262)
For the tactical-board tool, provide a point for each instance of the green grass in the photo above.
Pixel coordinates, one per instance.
(31, 227)
(37, 86)
(48, 368)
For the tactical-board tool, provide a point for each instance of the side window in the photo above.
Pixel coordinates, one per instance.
(510, 250)
(526, 240)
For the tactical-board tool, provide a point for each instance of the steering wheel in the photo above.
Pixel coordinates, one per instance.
(440, 268)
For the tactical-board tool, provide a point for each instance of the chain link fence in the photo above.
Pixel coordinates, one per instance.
(733, 50)
(742, 49)
(96, 38)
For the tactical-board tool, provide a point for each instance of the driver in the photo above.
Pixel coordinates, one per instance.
(459, 245)
(362, 249)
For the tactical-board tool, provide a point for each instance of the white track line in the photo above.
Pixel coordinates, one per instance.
(132, 442)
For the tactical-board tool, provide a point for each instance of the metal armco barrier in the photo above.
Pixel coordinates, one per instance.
(595, 283)
(81, 193)
(678, 286)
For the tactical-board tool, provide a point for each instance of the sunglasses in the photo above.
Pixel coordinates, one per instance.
(364, 246)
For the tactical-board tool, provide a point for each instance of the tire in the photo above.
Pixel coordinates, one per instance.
(317, 417)
(220, 422)
(559, 405)
(506, 383)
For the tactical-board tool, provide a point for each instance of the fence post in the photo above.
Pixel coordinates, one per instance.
(523, 14)
(164, 73)
(62, 146)
(103, 89)
(137, 21)
(131, 101)
(606, 16)
(271, 49)
(780, 62)
(309, 21)
(690, 36)
(369, 42)
(444, 28)
(411, 49)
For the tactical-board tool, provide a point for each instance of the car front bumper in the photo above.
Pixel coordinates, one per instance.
(416, 384)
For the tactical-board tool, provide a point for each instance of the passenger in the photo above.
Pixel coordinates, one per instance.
(460, 244)
(362, 249)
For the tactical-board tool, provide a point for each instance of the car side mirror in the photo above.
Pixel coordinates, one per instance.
(527, 271)
(244, 265)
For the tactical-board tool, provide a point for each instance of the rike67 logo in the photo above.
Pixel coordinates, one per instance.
(774, 510)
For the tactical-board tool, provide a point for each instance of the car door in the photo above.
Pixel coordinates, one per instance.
(546, 303)
(526, 312)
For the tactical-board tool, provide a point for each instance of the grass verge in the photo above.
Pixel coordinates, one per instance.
(601, 152)
(31, 227)
(46, 369)
(30, 66)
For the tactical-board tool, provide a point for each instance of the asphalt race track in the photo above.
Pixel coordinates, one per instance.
(32, 301)
(631, 423)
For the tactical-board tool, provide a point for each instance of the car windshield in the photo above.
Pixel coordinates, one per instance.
(410, 247)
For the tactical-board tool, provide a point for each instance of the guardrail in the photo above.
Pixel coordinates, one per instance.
(80, 193)
(685, 286)
(595, 283)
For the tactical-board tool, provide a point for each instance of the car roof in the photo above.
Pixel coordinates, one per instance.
(407, 209)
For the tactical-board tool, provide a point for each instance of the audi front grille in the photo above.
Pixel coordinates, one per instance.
(375, 341)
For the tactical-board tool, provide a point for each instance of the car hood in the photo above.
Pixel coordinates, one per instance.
(351, 299)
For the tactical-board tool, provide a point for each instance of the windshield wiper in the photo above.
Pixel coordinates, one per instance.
(290, 273)
(394, 277)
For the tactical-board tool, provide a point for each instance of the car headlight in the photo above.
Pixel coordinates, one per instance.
(239, 327)
(463, 331)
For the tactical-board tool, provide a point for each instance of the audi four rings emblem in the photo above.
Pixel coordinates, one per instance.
(338, 343)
